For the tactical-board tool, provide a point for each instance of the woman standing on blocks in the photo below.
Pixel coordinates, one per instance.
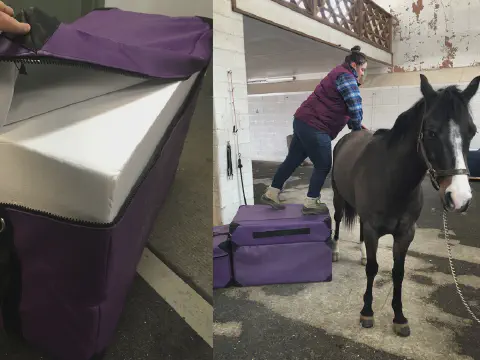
(334, 103)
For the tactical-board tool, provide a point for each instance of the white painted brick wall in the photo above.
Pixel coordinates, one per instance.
(229, 54)
(271, 116)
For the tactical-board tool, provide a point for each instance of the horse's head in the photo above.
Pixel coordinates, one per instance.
(444, 139)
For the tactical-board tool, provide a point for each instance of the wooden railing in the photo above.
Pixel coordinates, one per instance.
(362, 19)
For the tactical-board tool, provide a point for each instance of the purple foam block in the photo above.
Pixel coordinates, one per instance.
(222, 266)
(280, 246)
(75, 278)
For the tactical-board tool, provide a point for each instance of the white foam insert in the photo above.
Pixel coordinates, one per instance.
(47, 87)
(81, 161)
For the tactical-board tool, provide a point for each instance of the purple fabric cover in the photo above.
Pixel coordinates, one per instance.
(222, 266)
(153, 45)
(75, 278)
(280, 246)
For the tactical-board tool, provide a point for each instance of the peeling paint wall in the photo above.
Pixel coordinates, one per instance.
(434, 34)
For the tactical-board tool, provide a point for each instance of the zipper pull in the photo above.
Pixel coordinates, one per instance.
(22, 69)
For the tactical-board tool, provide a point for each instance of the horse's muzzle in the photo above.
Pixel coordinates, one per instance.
(449, 205)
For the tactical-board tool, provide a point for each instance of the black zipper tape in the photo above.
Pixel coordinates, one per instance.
(288, 232)
(48, 60)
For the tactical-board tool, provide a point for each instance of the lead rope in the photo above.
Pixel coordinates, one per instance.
(229, 161)
(454, 275)
(235, 132)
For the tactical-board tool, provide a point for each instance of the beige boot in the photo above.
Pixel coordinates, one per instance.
(271, 198)
(313, 206)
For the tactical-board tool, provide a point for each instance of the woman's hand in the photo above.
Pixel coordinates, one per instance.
(8, 23)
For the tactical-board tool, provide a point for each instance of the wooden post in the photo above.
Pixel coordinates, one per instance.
(315, 7)
(311, 6)
(360, 6)
(390, 28)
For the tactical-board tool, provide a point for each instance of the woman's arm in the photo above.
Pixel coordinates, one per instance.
(347, 86)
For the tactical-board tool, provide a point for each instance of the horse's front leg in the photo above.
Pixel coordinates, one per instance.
(370, 237)
(401, 242)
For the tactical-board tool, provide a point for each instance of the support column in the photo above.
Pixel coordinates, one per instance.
(229, 55)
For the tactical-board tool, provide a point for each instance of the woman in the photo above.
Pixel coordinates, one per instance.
(334, 103)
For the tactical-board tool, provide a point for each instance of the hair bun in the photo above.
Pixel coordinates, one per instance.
(356, 48)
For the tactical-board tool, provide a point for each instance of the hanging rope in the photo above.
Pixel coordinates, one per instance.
(240, 166)
(229, 161)
(235, 133)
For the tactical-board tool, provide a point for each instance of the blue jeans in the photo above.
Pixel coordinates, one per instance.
(306, 142)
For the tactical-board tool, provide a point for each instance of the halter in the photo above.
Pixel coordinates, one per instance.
(433, 173)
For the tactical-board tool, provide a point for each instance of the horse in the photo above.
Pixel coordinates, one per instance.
(378, 176)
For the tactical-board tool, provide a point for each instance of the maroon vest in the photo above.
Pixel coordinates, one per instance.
(325, 108)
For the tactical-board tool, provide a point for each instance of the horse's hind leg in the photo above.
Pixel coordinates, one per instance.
(339, 206)
(401, 243)
(371, 270)
(363, 249)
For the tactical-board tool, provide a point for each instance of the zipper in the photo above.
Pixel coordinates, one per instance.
(48, 60)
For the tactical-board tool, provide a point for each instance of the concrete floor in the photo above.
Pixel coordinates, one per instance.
(320, 321)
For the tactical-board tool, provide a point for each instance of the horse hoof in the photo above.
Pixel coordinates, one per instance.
(367, 322)
(402, 330)
(334, 257)
(364, 261)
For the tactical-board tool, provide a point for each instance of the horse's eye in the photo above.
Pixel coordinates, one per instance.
(431, 134)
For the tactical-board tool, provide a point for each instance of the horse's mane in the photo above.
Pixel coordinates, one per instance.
(450, 96)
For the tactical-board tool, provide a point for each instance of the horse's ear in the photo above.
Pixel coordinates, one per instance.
(427, 90)
(471, 89)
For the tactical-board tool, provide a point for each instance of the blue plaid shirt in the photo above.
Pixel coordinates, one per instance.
(347, 86)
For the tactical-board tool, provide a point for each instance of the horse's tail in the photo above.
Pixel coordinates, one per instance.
(342, 206)
(350, 215)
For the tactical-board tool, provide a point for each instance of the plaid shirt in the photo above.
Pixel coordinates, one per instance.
(347, 86)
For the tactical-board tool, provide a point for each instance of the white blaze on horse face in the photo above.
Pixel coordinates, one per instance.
(459, 187)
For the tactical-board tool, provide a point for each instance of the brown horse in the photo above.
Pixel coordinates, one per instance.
(378, 176)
